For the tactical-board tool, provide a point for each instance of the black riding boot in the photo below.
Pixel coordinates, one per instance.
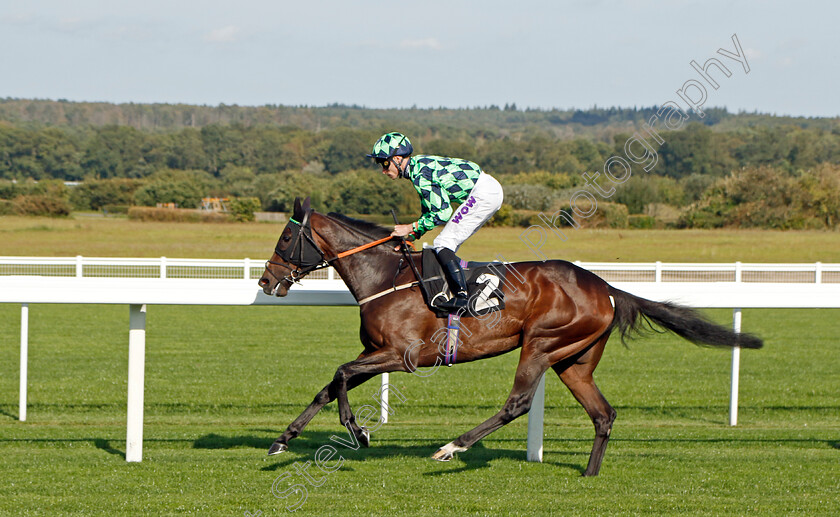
(457, 282)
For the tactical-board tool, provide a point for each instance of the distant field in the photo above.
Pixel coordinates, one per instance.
(115, 237)
(223, 382)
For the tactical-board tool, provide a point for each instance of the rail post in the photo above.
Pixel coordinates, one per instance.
(736, 367)
(535, 423)
(136, 381)
(383, 414)
(24, 359)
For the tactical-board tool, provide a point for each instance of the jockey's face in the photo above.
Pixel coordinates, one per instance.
(393, 171)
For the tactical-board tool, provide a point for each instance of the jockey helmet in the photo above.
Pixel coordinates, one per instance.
(390, 145)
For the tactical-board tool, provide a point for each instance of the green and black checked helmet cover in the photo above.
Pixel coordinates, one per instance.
(391, 144)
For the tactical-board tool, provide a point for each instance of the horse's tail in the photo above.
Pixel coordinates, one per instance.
(632, 312)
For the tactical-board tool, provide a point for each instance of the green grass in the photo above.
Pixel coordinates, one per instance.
(116, 237)
(223, 382)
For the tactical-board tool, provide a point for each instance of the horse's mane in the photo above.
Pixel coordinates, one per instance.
(372, 229)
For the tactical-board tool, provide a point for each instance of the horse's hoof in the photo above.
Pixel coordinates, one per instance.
(442, 455)
(364, 439)
(277, 448)
(447, 452)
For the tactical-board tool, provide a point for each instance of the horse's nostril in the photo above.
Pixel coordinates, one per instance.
(263, 282)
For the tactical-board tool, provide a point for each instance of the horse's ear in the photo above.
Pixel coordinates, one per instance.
(306, 204)
(297, 206)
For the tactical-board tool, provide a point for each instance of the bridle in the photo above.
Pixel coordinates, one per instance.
(305, 254)
(306, 249)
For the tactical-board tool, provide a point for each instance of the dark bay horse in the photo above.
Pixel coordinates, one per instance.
(558, 314)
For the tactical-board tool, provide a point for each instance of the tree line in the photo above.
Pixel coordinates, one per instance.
(539, 166)
(103, 152)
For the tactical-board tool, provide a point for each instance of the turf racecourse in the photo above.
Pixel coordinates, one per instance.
(223, 382)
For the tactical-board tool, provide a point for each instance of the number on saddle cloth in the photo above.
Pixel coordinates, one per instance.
(484, 283)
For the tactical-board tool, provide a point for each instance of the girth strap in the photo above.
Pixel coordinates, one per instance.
(453, 329)
(388, 291)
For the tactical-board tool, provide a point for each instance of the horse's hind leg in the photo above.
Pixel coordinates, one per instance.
(577, 376)
(528, 374)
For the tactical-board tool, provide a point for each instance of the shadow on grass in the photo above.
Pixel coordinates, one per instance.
(479, 457)
(217, 441)
(105, 445)
(5, 412)
(304, 448)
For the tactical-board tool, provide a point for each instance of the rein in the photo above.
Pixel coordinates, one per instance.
(362, 247)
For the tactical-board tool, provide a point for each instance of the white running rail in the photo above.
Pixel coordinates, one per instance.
(139, 282)
(163, 267)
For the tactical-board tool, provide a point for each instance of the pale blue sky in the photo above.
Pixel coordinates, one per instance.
(434, 53)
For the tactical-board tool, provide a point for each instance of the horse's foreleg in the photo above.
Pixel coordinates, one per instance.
(347, 377)
(380, 361)
(324, 397)
(528, 374)
(578, 378)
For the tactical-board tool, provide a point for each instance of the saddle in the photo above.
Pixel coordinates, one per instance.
(484, 282)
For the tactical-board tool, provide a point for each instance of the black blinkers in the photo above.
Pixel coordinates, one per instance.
(303, 252)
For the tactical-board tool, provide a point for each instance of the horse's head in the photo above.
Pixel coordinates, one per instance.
(295, 254)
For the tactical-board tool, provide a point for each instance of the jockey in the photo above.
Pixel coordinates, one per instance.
(441, 181)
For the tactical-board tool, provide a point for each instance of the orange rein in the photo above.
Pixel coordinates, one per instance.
(368, 245)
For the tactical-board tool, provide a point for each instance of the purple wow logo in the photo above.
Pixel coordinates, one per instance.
(463, 210)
